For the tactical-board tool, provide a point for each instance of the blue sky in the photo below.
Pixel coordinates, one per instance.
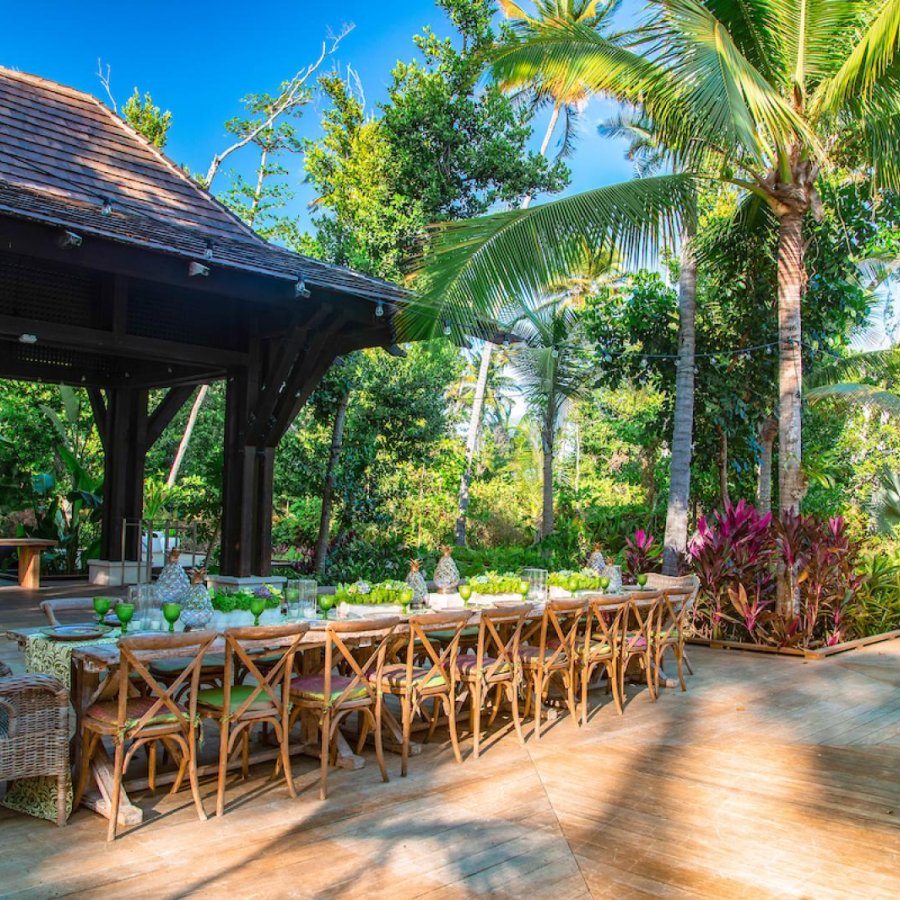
(199, 58)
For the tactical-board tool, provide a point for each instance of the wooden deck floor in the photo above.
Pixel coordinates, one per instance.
(770, 777)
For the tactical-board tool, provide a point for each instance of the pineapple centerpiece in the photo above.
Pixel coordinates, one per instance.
(416, 580)
(446, 575)
(172, 586)
(197, 609)
(596, 560)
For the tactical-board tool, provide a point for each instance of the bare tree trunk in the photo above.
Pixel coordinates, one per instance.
(578, 467)
(478, 404)
(257, 192)
(547, 445)
(790, 291)
(472, 442)
(334, 455)
(768, 431)
(186, 437)
(683, 425)
(724, 498)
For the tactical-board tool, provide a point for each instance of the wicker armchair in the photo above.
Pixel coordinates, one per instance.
(34, 732)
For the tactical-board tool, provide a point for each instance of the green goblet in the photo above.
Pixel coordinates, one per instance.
(124, 613)
(572, 584)
(642, 580)
(171, 613)
(406, 597)
(604, 582)
(257, 608)
(102, 606)
(465, 591)
(326, 602)
(524, 588)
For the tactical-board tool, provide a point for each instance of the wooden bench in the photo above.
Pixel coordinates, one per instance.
(30, 550)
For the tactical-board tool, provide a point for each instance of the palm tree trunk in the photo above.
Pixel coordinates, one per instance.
(186, 437)
(768, 431)
(790, 290)
(683, 425)
(334, 455)
(547, 441)
(478, 404)
(472, 442)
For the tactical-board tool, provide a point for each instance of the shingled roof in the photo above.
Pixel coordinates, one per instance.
(66, 159)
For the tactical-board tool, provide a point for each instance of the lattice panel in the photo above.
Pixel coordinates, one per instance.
(35, 289)
(185, 318)
(70, 364)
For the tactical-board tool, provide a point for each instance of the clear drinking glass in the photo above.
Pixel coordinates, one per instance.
(537, 579)
(293, 597)
(309, 589)
(142, 598)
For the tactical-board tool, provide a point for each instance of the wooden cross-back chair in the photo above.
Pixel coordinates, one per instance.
(134, 708)
(599, 647)
(71, 605)
(359, 649)
(675, 606)
(495, 666)
(549, 656)
(679, 583)
(416, 684)
(238, 707)
(637, 639)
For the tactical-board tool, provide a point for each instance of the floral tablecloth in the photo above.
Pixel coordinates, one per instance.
(37, 796)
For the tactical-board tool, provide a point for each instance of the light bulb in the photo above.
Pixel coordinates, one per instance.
(447, 329)
(379, 310)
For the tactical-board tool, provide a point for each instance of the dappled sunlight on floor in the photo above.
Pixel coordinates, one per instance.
(770, 776)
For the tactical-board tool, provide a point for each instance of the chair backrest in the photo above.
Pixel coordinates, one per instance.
(499, 636)
(244, 647)
(50, 608)
(359, 647)
(640, 620)
(604, 623)
(675, 608)
(679, 583)
(137, 654)
(556, 631)
(419, 645)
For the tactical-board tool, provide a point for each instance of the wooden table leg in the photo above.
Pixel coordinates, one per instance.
(29, 568)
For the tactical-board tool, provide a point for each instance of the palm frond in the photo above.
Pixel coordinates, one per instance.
(850, 394)
(481, 268)
(874, 366)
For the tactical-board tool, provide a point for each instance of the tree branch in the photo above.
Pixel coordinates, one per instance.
(291, 95)
(104, 80)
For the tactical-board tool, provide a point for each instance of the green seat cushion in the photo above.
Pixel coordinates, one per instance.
(312, 687)
(466, 665)
(214, 698)
(179, 664)
(447, 635)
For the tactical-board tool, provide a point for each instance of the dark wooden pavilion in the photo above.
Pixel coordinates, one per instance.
(120, 275)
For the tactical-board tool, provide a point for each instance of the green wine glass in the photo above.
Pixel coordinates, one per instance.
(124, 613)
(102, 606)
(465, 591)
(326, 602)
(642, 580)
(406, 597)
(524, 588)
(604, 582)
(171, 613)
(257, 608)
(572, 584)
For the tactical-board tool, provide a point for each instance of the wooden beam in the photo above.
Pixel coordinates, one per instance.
(76, 337)
(166, 411)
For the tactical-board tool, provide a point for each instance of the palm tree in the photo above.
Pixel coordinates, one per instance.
(551, 365)
(566, 103)
(766, 93)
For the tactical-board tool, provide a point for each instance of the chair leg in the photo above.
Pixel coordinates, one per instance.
(570, 694)
(151, 765)
(284, 740)
(475, 718)
(435, 715)
(118, 766)
(223, 767)
(498, 700)
(517, 719)
(649, 674)
(379, 747)
(405, 704)
(612, 680)
(245, 753)
(679, 664)
(538, 702)
(192, 774)
(585, 677)
(451, 717)
(325, 726)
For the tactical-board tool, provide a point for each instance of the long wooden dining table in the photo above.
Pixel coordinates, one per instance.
(90, 662)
